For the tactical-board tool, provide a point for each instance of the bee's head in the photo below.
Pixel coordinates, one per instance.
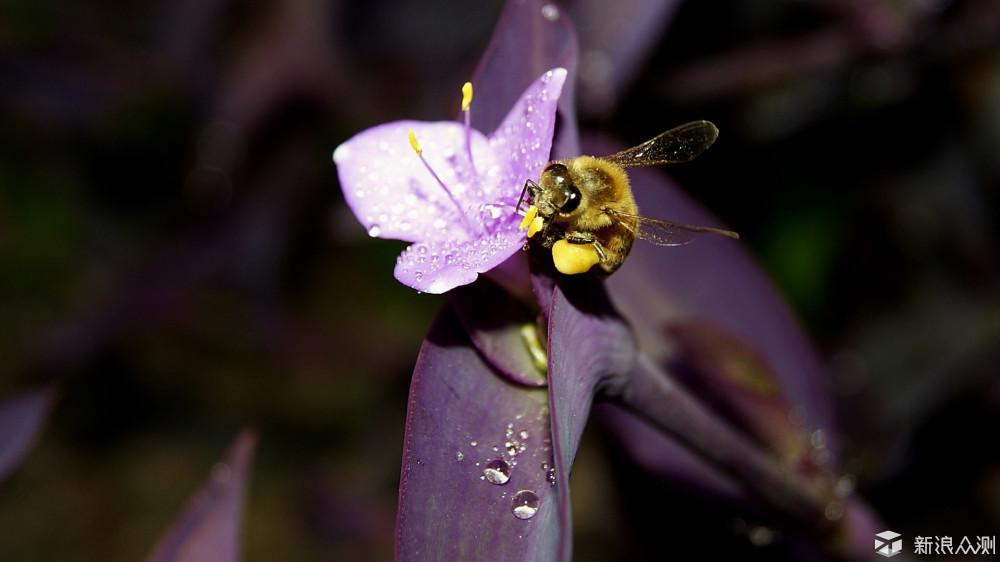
(558, 189)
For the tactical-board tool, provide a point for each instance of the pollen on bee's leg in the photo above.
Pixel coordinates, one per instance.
(536, 224)
(529, 215)
(571, 259)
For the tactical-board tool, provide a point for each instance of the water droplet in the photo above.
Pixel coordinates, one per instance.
(497, 472)
(845, 485)
(834, 510)
(550, 12)
(523, 434)
(473, 443)
(221, 472)
(524, 504)
(418, 276)
(374, 231)
(459, 455)
(760, 536)
(818, 439)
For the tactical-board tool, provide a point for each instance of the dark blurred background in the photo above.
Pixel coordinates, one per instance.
(175, 251)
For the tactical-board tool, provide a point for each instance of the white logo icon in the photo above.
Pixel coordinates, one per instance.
(888, 543)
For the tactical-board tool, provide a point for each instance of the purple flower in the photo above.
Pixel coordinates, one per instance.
(448, 188)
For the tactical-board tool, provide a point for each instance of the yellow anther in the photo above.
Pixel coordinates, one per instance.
(414, 143)
(466, 95)
(571, 259)
(529, 215)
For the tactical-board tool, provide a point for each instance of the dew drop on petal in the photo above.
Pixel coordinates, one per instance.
(550, 12)
(459, 455)
(524, 504)
(374, 231)
(497, 472)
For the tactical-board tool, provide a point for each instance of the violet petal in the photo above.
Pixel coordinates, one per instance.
(474, 441)
(459, 212)
(391, 191)
(208, 528)
(21, 419)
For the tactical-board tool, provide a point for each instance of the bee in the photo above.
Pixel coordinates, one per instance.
(584, 210)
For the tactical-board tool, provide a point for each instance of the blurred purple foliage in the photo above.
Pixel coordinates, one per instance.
(175, 255)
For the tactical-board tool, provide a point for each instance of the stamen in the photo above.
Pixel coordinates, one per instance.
(466, 96)
(420, 154)
(466, 104)
(416, 145)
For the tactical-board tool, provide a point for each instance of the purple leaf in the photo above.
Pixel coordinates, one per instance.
(21, 419)
(615, 41)
(454, 196)
(500, 327)
(589, 348)
(531, 37)
(208, 528)
(474, 442)
(713, 279)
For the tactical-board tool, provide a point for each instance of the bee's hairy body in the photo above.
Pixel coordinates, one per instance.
(584, 210)
(603, 187)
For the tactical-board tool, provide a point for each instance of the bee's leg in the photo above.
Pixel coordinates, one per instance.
(584, 238)
(527, 183)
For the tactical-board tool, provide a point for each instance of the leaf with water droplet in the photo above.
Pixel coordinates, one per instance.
(524, 504)
(497, 471)
(462, 510)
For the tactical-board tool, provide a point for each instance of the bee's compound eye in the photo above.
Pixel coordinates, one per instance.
(572, 199)
(571, 259)
(564, 194)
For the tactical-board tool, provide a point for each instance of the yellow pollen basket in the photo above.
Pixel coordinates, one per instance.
(571, 259)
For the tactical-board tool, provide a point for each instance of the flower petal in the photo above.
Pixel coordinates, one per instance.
(531, 37)
(448, 258)
(525, 135)
(394, 194)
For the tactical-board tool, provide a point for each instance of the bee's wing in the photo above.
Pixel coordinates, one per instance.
(680, 144)
(667, 233)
